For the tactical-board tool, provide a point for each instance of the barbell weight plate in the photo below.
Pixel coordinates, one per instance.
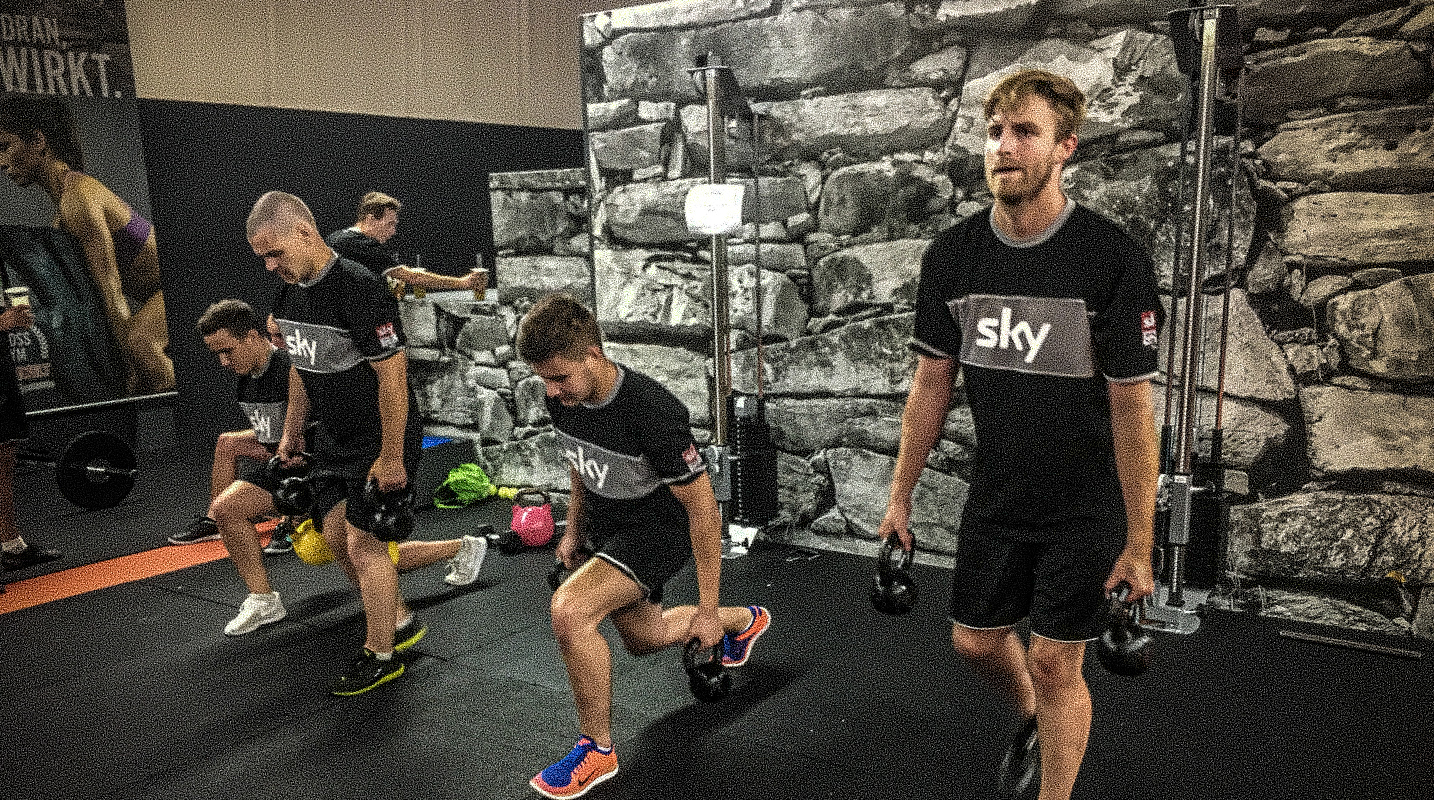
(96, 470)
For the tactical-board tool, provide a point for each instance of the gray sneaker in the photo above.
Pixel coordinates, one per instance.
(463, 567)
(256, 610)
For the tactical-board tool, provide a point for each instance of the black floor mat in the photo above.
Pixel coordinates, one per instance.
(134, 692)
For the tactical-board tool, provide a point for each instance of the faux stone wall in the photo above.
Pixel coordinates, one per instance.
(872, 143)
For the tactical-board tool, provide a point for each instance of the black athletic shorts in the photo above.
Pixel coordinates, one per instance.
(1059, 585)
(647, 548)
(14, 427)
(335, 478)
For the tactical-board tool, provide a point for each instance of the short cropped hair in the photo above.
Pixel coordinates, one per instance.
(279, 208)
(235, 316)
(557, 325)
(376, 204)
(24, 115)
(1064, 96)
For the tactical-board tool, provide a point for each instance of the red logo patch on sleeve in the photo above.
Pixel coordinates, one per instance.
(692, 457)
(387, 335)
(1149, 328)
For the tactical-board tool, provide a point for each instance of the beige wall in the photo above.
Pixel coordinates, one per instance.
(499, 61)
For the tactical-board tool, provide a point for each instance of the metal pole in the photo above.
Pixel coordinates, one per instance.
(721, 302)
(1181, 480)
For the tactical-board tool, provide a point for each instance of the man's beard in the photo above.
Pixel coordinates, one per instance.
(1016, 197)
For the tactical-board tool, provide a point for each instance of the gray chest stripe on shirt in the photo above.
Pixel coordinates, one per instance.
(609, 474)
(267, 419)
(319, 348)
(1040, 335)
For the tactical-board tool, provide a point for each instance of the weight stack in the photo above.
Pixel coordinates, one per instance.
(753, 462)
(1209, 524)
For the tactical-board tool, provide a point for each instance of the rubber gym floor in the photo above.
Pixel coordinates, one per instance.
(131, 690)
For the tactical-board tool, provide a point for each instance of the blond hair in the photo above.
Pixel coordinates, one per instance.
(1065, 97)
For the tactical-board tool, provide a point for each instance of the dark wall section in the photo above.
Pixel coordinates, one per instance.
(208, 164)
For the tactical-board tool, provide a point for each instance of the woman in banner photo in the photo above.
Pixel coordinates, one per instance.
(39, 146)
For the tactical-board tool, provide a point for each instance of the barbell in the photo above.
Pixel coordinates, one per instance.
(94, 470)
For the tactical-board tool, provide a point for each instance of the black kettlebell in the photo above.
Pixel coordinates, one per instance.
(509, 543)
(1124, 646)
(559, 574)
(391, 516)
(894, 591)
(707, 678)
(292, 496)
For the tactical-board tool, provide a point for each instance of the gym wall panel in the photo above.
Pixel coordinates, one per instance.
(512, 62)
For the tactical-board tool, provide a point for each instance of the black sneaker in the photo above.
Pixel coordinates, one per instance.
(1020, 772)
(365, 673)
(201, 529)
(29, 557)
(279, 541)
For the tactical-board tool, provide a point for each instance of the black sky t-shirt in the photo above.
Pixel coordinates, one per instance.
(1039, 328)
(334, 327)
(629, 450)
(355, 245)
(264, 398)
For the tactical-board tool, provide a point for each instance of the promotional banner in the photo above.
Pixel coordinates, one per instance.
(75, 227)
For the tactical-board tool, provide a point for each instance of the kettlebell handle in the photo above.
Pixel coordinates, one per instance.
(276, 463)
(691, 651)
(892, 557)
(523, 497)
(371, 490)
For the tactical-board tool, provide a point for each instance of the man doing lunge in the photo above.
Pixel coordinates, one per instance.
(642, 502)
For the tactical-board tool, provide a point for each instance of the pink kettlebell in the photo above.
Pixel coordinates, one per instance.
(533, 517)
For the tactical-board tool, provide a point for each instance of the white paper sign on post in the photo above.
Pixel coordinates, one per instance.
(715, 208)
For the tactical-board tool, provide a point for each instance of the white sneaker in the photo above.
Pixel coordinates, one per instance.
(257, 610)
(463, 567)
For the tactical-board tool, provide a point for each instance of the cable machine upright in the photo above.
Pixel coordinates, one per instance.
(742, 467)
(1208, 50)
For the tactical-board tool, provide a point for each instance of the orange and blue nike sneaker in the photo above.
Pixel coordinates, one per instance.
(580, 770)
(736, 649)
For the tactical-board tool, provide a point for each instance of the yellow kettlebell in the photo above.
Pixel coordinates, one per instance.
(311, 548)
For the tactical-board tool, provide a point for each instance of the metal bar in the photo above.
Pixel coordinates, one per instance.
(1193, 317)
(1229, 271)
(99, 404)
(1398, 652)
(1184, 431)
(721, 302)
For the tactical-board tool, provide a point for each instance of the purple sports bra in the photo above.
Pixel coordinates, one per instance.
(130, 239)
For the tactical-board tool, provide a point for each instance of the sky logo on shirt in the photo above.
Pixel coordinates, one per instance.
(301, 349)
(999, 333)
(588, 468)
(262, 424)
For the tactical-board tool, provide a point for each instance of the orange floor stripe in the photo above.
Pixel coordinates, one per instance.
(104, 574)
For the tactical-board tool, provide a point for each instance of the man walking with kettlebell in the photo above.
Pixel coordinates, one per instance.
(350, 372)
(642, 500)
(1051, 313)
